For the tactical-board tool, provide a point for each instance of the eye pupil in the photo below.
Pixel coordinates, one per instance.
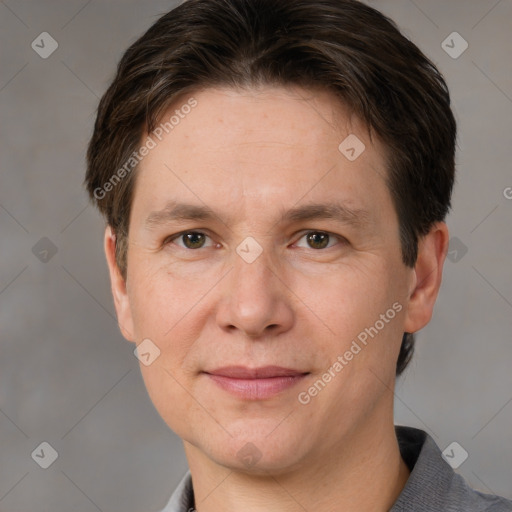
(193, 240)
(318, 240)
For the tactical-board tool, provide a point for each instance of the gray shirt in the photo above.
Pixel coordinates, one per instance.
(432, 486)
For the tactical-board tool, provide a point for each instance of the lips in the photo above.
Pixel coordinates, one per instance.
(255, 383)
(241, 372)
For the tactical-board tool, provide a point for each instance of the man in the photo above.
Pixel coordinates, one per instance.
(275, 177)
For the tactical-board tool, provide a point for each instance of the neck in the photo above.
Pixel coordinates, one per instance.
(365, 472)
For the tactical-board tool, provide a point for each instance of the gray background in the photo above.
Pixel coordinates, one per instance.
(68, 377)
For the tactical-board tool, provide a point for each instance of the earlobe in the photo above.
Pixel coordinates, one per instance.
(118, 287)
(428, 271)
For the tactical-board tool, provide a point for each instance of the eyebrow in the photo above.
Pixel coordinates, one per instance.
(335, 211)
(176, 212)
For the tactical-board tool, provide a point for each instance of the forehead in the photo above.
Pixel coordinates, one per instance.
(261, 149)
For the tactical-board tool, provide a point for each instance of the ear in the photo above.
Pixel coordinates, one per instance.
(118, 286)
(427, 275)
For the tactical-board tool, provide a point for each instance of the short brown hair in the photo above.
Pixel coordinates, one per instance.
(343, 46)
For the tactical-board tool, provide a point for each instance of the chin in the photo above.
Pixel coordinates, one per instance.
(260, 453)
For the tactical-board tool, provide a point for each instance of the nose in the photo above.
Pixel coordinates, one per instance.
(256, 300)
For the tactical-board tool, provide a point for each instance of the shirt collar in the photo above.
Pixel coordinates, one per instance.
(431, 476)
(182, 499)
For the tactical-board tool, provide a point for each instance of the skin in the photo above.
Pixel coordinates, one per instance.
(250, 155)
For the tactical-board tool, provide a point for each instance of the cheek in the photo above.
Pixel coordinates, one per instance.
(359, 309)
(345, 296)
(167, 309)
(173, 397)
(163, 299)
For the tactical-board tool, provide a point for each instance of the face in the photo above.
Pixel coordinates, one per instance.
(264, 263)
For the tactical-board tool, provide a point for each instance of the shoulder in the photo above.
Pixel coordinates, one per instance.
(433, 485)
(465, 499)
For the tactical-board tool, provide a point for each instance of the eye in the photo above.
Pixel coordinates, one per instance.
(188, 239)
(320, 239)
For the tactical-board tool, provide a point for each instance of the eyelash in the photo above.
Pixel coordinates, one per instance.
(176, 236)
